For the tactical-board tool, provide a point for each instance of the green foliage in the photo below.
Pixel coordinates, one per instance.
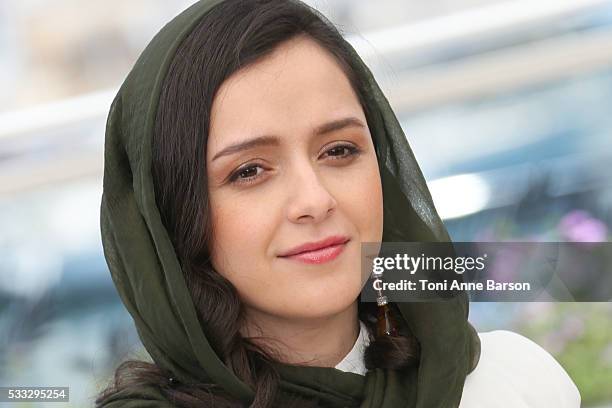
(579, 336)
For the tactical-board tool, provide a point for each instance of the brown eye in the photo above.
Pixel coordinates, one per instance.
(342, 151)
(246, 174)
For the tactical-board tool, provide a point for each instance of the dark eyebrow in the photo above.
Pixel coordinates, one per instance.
(269, 140)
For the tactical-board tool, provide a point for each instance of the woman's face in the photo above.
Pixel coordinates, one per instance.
(315, 175)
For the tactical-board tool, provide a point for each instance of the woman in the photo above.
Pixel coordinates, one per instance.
(246, 133)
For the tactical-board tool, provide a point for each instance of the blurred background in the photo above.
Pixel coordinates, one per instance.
(507, 105)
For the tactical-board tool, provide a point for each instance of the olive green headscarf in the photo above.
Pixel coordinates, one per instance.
(148, 277)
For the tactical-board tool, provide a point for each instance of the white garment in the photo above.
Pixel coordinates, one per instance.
(513, 372)
(353, 361)
(516, 372)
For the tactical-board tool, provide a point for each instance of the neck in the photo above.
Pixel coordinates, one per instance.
(321, 342)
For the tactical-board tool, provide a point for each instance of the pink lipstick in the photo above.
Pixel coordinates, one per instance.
(318, 252)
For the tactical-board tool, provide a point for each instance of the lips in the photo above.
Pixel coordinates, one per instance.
(331, 241)
(319, 256)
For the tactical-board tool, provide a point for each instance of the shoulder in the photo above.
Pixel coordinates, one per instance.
(514, 371)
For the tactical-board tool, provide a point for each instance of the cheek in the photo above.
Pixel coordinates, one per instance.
(363, 202)
(239, 236)
(243, 227)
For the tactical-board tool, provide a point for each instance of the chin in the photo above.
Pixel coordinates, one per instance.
(324, 307)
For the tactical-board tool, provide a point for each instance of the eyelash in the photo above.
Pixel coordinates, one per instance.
(235, 177)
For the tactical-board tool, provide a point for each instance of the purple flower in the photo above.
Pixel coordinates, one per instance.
(580, 226)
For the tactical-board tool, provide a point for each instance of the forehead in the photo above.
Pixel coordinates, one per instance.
(288, 93)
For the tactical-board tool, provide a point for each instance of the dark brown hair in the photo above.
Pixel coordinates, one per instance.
(232, 35)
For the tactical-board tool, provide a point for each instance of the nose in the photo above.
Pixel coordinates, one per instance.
(309, 199)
